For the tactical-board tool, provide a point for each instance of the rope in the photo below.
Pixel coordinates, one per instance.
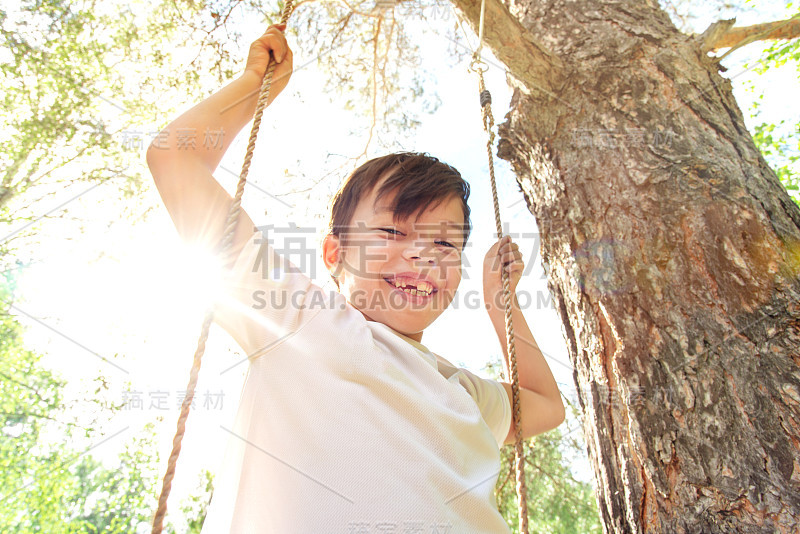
(488, 124)
(227, 241)
(223, 248)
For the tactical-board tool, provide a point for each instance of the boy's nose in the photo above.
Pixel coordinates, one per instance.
(420, 253)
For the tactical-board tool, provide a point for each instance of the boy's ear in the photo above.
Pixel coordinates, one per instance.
(332, 254)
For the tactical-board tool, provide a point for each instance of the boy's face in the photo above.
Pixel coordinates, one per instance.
(402, 274)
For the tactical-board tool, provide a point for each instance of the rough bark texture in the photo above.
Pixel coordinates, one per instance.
(673, 255)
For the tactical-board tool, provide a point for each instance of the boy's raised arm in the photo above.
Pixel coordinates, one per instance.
(182, 160)
(541, 406)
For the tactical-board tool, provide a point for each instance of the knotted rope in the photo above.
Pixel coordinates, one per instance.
(480, 67)
(223, 248)
(522, 490)
(227, 241)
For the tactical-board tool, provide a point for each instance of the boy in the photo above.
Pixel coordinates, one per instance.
(347, 423)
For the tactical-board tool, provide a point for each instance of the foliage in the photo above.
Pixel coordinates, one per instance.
(195, 507)
(33, 483)
(81, 81)
(557, 502)
(54, 485)
(782, 151)
(779, 142)
(87, 85)
(381, 78)
(781, 51)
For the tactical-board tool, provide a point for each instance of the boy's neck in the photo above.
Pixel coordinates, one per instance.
(416, 337)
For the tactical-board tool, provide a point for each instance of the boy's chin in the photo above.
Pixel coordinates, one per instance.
(408, 326)
(406, 318)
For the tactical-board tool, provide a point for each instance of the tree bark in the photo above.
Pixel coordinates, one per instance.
(673, 255)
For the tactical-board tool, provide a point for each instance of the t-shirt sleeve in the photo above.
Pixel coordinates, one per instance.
(489, 395)
(263, 298)
(492, 400)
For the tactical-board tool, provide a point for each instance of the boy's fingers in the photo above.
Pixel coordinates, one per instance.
(504, 252)
(274, 40)
(515, 266)
(278, 50)
(510, 253)
(280, 27)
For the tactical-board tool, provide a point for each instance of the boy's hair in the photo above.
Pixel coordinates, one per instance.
(421, 181)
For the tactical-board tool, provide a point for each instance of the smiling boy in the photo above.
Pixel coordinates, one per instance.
(397, 230)
(346, 422)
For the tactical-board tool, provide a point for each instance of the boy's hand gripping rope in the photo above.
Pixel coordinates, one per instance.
(479, 66)
(222, 249)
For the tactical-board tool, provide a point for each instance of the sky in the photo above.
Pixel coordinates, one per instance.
(126, 301)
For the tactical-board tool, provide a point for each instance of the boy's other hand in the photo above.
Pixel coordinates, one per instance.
(504, 254)
(273, 41)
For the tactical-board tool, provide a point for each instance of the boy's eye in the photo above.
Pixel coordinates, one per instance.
(391, 231)
(394, 232)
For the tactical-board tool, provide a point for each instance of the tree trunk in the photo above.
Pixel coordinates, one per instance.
(673, 255)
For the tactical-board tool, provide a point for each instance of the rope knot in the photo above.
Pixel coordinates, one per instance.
(486, 98)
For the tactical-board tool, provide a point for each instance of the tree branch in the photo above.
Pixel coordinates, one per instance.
(529, 60)
(27, 386)
(375, 70)
(722, 34)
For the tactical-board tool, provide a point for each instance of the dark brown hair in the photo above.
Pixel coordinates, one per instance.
(421, 182)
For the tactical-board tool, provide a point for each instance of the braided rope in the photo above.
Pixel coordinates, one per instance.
(519, 457)
(227, 241)
(222, 249)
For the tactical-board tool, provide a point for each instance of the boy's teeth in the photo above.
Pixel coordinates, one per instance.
(422, 288)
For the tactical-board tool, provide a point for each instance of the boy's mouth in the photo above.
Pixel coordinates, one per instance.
(413, 286)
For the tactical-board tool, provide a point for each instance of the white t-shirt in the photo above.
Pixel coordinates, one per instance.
(344, 425)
